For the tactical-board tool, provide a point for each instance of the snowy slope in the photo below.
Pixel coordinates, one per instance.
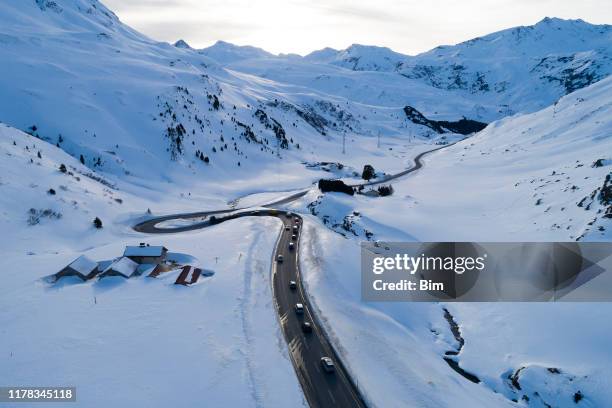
(149, 112)
(541, 175)
(142, 125)
(537, 177)
(145, 339)
(527, 68)
(522, 69)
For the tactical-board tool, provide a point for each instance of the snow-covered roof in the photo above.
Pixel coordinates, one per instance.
(123, 265)
(145, 268)
(144, 250)
(83, 265)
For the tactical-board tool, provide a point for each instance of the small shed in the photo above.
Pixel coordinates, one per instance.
(123, 267)
(81, 267)
(146, 254)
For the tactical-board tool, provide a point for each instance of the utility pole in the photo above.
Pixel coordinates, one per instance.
(378, 143)
(344, 142)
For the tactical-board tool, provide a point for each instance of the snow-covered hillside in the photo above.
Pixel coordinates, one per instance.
(97, 120)
(145, 111)
(543, 176)
(142, 337)
(150, 112)
(521, 69)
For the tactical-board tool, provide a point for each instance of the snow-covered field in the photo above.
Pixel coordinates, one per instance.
(145, 341)
(124, 128)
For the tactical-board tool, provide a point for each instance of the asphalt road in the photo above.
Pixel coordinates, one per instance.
(321, 389)
(417, 165)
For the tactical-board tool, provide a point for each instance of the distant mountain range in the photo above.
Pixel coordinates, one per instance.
(76, 76)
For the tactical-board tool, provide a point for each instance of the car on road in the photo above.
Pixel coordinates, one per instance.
(280, 259)
(294, 237)
(327, 364)
(291, 246)
(297, 220)
(307, 327)
(292, 285)
(287, 228)
(295, 228)
(299, 308)
(289, 214)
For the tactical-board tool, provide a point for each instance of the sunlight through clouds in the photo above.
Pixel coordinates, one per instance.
(301, 26)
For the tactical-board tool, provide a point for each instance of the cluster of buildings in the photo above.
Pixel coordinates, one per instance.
(136, 261)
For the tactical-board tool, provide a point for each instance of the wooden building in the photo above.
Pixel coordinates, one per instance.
(146, 254)
(82, 267)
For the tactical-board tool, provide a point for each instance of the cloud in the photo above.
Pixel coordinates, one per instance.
(301, 26)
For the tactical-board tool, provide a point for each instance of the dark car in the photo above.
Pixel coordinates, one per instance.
(327, 364)
(292, 285)
(295, 228)
(294, 237)
(307, 327)
(291, 246)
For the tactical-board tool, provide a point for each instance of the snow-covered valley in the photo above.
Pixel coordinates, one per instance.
(97, 120)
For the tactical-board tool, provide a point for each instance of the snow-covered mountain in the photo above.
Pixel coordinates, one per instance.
(225, 52)
(100, 121)
(521, 69)
(73, 72)
(75, 76)
(359, 57)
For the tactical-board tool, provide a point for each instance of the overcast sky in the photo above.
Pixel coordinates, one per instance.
(301, 26)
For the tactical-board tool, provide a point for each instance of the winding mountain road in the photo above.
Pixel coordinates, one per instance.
(321, 388)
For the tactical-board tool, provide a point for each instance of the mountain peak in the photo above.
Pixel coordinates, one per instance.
(225, 52)
(560, 21)
(182, 44)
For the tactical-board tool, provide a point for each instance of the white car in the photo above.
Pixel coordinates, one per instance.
(327, 364)
(299, 308)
